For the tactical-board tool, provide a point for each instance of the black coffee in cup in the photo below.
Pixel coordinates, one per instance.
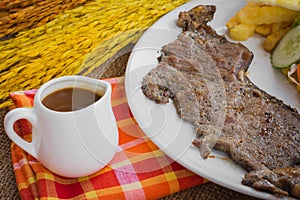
(70, 99)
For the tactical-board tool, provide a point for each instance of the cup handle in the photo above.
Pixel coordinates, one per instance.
(10, 118)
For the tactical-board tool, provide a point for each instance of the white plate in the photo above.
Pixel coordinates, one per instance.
(161, 123)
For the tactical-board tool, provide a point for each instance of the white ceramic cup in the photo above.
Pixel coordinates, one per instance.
(70, 144)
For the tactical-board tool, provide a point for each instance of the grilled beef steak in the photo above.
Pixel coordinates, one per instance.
(205, 76)
(282, 181)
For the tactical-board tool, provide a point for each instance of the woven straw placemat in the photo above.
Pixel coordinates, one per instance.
(114, 67)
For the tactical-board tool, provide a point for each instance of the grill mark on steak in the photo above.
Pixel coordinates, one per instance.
(205, 76)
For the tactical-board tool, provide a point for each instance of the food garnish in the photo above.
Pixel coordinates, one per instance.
(286, 54)
(287, 51)
(294, 70)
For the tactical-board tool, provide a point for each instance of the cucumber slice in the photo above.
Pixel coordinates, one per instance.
(287, 51)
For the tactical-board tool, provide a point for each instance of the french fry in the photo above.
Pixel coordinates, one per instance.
(263, 29)
(232, 22)
(273, 39)
(271, 22)
(242, 31)
(278, 26)
(289, 4)
(266, 15)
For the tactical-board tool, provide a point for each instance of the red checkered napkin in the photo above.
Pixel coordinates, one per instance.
(139, 170)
